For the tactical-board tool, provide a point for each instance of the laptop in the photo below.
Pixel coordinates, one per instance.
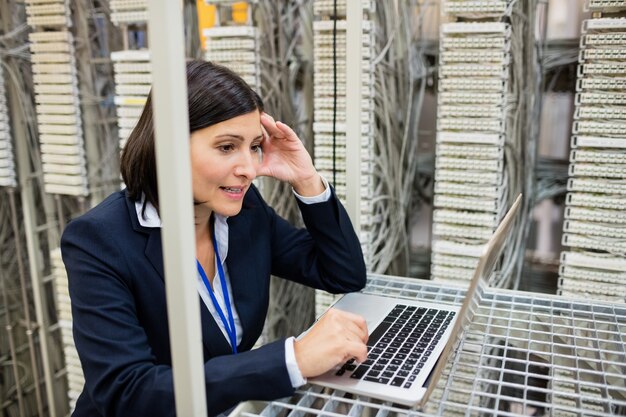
(410, 342)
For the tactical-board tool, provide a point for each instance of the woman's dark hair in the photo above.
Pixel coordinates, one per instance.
(214, 94)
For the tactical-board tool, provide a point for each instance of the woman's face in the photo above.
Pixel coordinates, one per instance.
(224, 160)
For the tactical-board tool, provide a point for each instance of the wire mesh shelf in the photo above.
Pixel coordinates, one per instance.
(523, 354)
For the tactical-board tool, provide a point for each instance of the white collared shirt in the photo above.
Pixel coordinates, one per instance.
(151, 219)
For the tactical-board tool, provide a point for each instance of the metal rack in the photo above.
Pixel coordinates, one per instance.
(523, 354)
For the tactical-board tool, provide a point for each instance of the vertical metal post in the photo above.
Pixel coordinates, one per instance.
(354, 31)
(169, 93)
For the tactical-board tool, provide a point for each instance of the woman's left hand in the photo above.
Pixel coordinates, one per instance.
(286, 159)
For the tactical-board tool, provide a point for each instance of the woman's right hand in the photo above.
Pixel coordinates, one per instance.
(335, 338)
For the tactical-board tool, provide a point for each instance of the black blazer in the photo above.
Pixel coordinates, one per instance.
(115, 270)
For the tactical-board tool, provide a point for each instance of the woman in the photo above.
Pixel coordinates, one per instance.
(115, 266)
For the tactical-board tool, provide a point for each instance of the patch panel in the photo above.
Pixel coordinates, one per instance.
(133, 89)
(591, 112)
(61, 167)
(484, 55)
(53, 69)
(466, 232)
(461, 188)
(129, 17)
(469, 151)
(594, 229)
(56, 89)
(606, 5)
(64, 189)
(470, 138)
(54, 99)
(58, 119)
(451, 275)
(328, 114)
(485, 84)
(594, 260)
(223, 56)
(133, 75)
(133, 78)
(607, 292)
(217, 45)
(444, 246)
(455, 261)
(595, 215)
(609, 186)
(595, 201)
(117, 5)
(327, 77)
(130, 101)
(7, 165)
(237, 49)
(61, 149)
(494, 99)
(129, 112)
(137, 67)
(47, 21)
(62, 179)
(53, 79)
(59, 8)
(494, 178)
(603, 54)
(474, 70)
(603, 39)
(598, 156)
(597, 142)
(602, 128)
(48, 36)
(602, 69)
(51, 58)
(603, 244)
(127, 122)
(75, 375)
(43, 47)
(56, 109)
(466, 203)
(324, 111)
(327, 25)
(327, 126)
(475, 42)
(597, 170)
(471, 28)
(479, 124)
(482, 7)
(448, 110)
(604, 24)
(59, 140)
(326, 7)
(445, 162)
(600, 98)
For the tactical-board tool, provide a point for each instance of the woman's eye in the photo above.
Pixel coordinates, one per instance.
(256, 148)
(226, 148)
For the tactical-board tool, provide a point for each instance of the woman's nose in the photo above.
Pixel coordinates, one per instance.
(246, 166)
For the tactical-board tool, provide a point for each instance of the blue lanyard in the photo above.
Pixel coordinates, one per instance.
(229, 324)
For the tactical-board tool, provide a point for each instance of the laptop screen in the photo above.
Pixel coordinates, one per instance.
(473, 297)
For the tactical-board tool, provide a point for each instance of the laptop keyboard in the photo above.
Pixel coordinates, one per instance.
(400, 345)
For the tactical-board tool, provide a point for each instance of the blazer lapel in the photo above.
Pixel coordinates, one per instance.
(154, 251)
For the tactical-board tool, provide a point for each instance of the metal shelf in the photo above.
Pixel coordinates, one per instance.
(523, 354)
